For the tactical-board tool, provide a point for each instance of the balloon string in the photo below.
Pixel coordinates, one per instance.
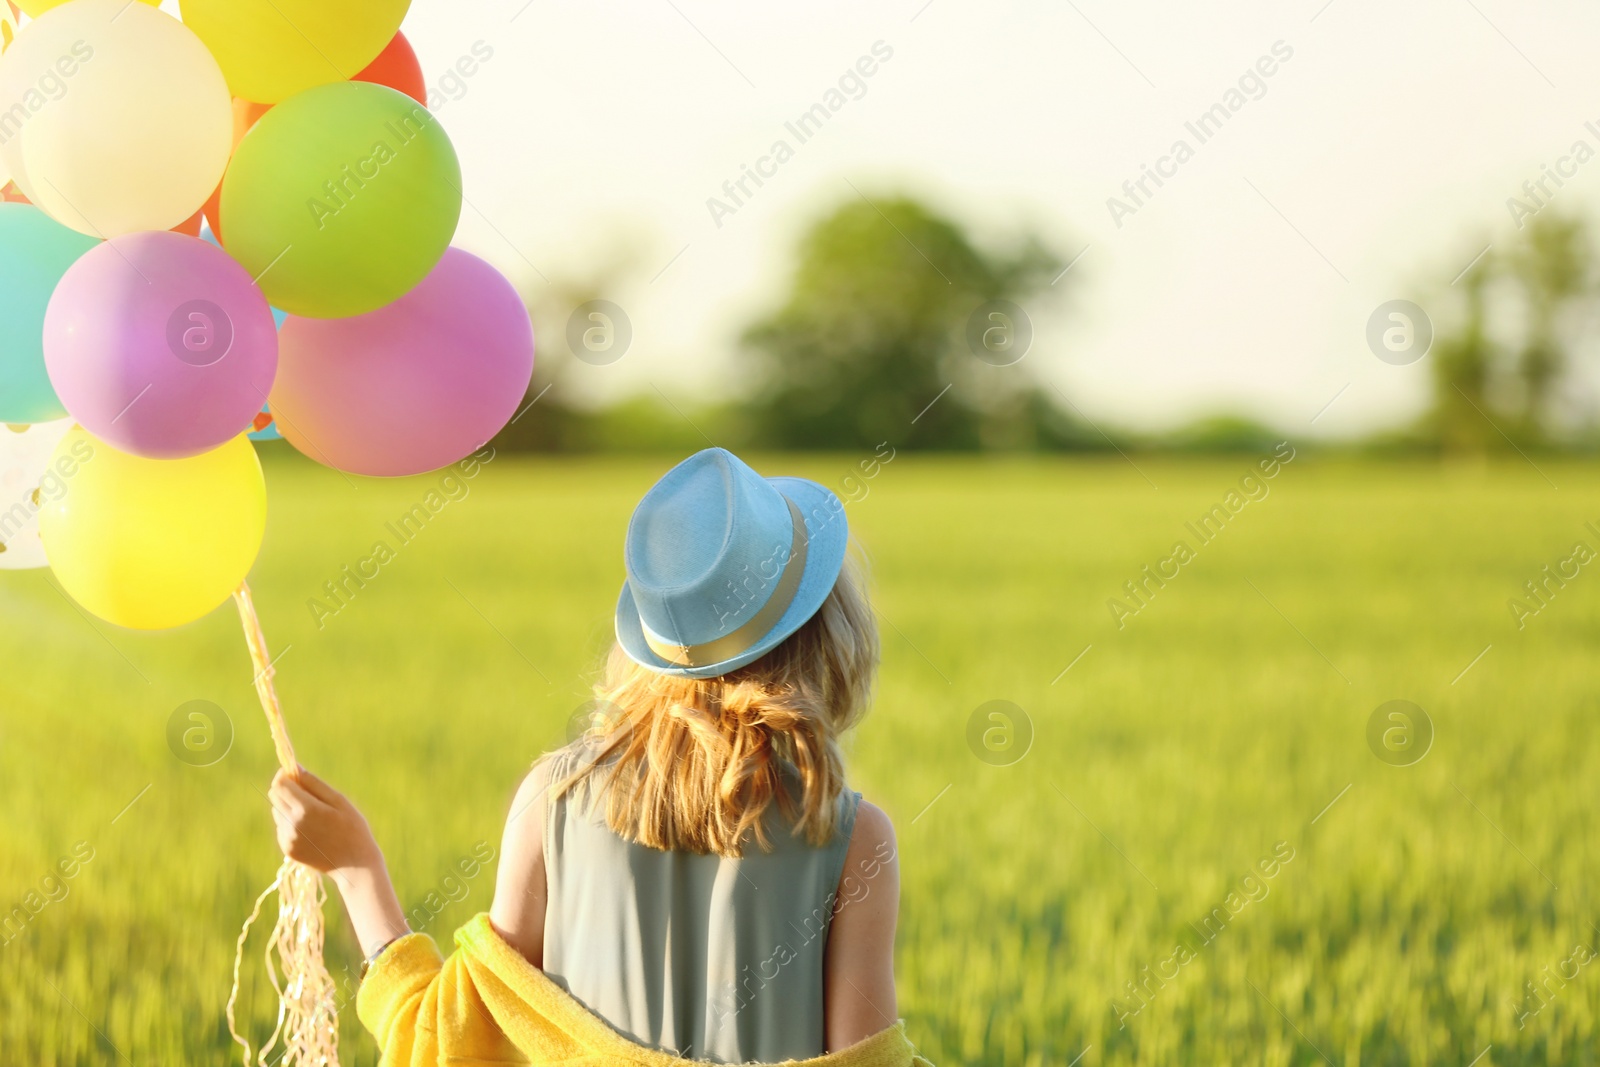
(262, 661)
(308, 1017)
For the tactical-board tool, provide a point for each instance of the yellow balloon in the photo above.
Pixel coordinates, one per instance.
(149, 543)
(115, 117)
(272, 49)
(8, 33)
(34, 8)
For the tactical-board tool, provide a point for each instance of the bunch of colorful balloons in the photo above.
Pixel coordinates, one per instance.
(137, 355)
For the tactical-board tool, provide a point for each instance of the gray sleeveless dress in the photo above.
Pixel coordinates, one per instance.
(702, 956)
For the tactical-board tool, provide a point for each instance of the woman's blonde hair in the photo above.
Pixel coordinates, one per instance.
(694, 764)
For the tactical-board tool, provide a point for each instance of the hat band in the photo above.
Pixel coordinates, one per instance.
(757, 626)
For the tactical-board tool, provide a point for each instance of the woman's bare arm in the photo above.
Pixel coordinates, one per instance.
(859, 968)
(519, 891)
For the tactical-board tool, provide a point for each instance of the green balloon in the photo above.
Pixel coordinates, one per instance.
(35, 251)
(341, 199)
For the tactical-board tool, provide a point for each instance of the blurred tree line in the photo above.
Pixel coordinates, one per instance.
(898, 327)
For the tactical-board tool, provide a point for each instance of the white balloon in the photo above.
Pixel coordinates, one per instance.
(114, 118)
(25, 453)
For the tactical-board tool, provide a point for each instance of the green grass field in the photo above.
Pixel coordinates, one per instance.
(1216, 727)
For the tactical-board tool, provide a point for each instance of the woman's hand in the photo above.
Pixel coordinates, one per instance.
(319, 827)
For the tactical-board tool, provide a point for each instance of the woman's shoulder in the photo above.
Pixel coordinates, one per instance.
(531, 790)
(872, 839)
(526, 817)
(535, 791)
(872, 820)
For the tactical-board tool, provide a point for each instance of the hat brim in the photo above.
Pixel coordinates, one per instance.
(827, 538)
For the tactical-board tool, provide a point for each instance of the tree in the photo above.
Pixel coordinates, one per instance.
(1461, 374)
(1505, 367)
(558, 414)
(1554, 268)
(871, 343)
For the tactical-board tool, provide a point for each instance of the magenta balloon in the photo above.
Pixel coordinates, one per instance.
(160, 345)
(413, 386)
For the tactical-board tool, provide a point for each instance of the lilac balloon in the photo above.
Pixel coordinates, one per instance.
(413, 386)
(160, 345)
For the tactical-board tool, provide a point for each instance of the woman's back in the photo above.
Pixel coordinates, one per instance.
(653, 871)
(707, 956)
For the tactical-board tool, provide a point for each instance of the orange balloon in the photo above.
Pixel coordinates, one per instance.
(190, 226)
(212, 211)
(397, 67)
(246, 113)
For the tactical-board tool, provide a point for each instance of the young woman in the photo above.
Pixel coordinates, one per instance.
(694, 870)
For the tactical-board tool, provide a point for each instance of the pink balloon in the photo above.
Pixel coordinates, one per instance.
(160, 345)
(413, 386)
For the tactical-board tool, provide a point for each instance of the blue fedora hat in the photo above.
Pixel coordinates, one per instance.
(724, 564)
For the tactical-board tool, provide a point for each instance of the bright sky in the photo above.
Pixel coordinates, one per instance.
(1377, 165)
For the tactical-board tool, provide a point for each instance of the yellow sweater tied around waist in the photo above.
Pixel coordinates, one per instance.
(486, 1004)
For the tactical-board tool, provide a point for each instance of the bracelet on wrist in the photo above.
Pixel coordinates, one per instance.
(367, 963)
